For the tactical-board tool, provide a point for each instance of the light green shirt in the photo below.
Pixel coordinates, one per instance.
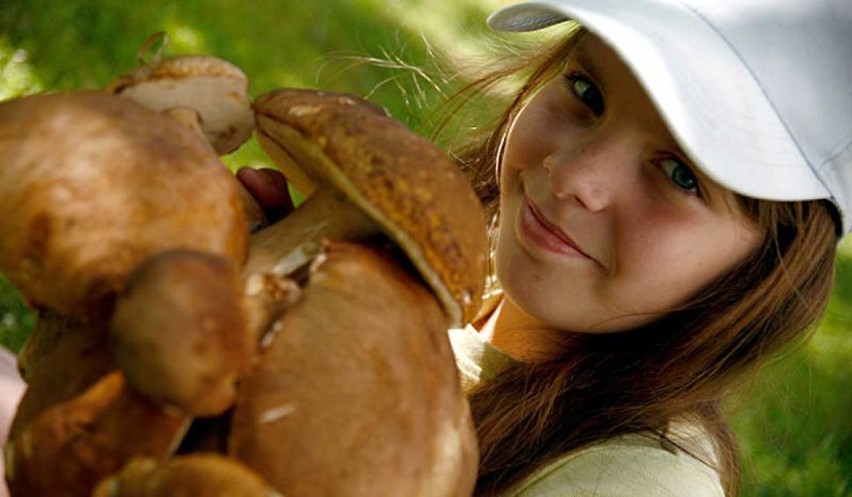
(627, 466)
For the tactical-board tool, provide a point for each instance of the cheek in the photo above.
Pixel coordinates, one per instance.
(529, 137)
(675, 260)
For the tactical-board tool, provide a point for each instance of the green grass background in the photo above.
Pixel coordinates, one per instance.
(793, 419)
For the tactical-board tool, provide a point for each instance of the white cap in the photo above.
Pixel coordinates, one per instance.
(757, 92)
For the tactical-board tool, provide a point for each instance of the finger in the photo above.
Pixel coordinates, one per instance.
(269, 188)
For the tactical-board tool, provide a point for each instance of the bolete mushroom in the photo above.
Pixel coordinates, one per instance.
(92, 185)
(70, 446)
(373, 177)
(208, 95)
(358, 375)
(358, 394)
(368, 174)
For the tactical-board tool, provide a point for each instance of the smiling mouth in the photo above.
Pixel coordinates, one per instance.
(545, 235)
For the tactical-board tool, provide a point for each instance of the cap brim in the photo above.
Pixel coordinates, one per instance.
(711, 103)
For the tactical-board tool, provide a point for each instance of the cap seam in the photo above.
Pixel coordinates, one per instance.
(843, 145)
(759, 84)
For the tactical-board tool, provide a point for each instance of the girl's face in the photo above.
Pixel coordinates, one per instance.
(605, 224)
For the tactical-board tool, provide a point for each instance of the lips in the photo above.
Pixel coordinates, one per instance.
(545, 235)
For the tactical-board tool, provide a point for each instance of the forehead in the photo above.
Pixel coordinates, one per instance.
(594, 57)
(589, 48)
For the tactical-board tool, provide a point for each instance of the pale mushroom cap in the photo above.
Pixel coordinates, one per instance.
(216, 89)
(92, 184)
(406, 184)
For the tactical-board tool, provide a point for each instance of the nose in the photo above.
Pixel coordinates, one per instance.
(595, 172)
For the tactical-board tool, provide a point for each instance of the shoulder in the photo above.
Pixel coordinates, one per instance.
(627, 466)
(477, 361)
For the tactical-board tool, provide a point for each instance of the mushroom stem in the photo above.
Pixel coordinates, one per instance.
(279, 250)
(61, 359)
(293, 241)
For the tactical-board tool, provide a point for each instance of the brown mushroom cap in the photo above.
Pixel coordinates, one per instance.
(409, 187)
(180, 332)
(71, 446)
(216, 89)
(202, 475)
(92, 184)
(358, 393)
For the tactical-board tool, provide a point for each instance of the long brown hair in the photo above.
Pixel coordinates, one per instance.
(677, 367)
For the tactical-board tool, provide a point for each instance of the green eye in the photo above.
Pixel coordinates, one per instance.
(680, 174)
(587, 92)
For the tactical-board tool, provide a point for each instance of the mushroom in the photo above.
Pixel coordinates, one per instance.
(203, 90)
(208, 475)
(359, 378)
(208, 95)
(337, 397)
(181, 330)
(373, 179)
(69, 447)
(369, 175)
(92, 185)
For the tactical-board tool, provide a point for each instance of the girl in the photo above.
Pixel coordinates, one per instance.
(672, 180)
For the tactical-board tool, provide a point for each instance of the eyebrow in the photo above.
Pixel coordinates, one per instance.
(581, 55)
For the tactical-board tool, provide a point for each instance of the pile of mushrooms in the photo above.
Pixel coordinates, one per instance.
(186, 346)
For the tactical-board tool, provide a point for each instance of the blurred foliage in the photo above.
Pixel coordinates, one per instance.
(793, 419)
(383, 50)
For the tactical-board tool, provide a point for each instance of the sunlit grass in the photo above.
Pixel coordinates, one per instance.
(16, 76)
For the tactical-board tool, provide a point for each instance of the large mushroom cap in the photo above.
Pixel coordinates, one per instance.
(409, 187)
(216, 89)
(358, 393)
(91, 184)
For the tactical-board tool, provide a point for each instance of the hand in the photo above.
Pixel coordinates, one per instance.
(268, 187)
